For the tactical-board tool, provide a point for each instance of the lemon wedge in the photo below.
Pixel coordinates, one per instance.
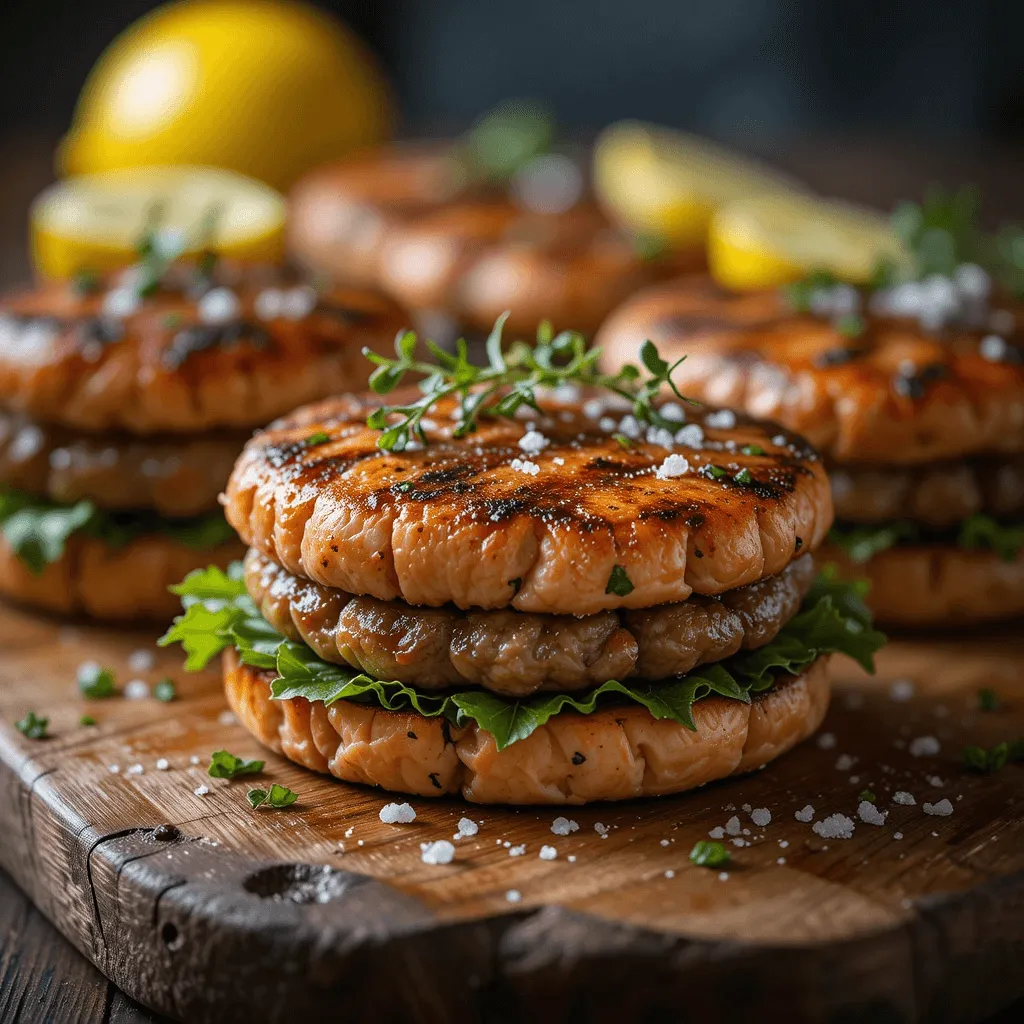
(94, 222)
(669, 184)
(765, 241)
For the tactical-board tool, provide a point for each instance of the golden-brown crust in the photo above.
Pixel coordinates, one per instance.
(177, 476)
(458, 522)
(161, 369)
(936, 585)
(406, 219)
(895, 395)
(614, 754)
(127, 584)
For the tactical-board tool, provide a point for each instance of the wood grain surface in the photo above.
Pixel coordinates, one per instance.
(207, 910)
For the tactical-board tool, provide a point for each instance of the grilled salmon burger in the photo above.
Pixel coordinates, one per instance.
(526, 582)
(913, 392)
(460, 230)
(123, 405)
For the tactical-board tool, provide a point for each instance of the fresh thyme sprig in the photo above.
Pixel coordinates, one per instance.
(509, 380)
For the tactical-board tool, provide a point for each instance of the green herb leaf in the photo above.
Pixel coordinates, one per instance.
(165, 690)
(87, 720)
(862, 543)
(743, 477)
(800, 294)
(622, 441)
(709, 855)
(981, 532)
(977, 759)
(94, 682)
(851, 325)
(866, 794)
(86, 282)
(507, 139)
(752, 449)
(277, 797)
(988, 700)
(619, 582)
(226, 766)
(320, 437)
(33, 726)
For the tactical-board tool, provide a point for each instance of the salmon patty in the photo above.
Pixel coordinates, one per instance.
(915, 395)
(576, 510)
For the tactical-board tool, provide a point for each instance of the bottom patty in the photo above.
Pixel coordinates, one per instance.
(613, 754)
(516, 653)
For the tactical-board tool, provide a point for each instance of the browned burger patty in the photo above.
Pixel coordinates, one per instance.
(408, 219)
(175, 476)
(517, 653)
(244, 351)
(896, 395)
(616, 754)
(935, 494)
(480, 523)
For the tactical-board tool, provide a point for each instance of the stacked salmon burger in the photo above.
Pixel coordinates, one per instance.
(123, 405)
(523, 582)
(914, 393)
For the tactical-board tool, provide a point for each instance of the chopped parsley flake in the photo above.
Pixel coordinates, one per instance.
(851, 325)
(866, 794)
(320, 437)
(619, 582)
(978, 759)
(621, 440)
(95, 682)
(87, 720)
(988, 700)
(709, 855)
(276, 797)
(226, 766)
(33, 726)
(743, 477)
(752, 449)
(165, 690)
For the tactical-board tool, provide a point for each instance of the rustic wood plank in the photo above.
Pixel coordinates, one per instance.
(207, 910)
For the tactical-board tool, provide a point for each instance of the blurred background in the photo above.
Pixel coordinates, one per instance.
(868, 101)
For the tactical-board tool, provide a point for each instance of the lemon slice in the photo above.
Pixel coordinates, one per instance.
(669, 184)
(766, 241)
(94, 222)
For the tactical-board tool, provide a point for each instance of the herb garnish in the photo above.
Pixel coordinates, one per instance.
(978, 533)
(851, 325)
(320, 437)
(165, 690)
(85, 282)
(224, 765)
(277, 797)
(508, 381)
(866, 794)
(752, 449)
(978, 759)
(743, 477)
(709, 855)
(619, 582)
(87, 720)
(33, 726)
(988, 700)
(95, 682)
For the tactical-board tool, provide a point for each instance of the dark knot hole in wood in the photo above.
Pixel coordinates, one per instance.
(301, 883)
(172, 938)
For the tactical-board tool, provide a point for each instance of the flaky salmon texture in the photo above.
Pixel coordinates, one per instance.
(582, 597)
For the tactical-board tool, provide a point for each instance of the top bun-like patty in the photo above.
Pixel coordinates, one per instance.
(165, 366)
(406, 218)
(569, 522)
(895, 394)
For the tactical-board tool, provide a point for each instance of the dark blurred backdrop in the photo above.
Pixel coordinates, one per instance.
(735, 69)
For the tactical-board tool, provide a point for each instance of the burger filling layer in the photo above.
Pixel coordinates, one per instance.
(537, 666)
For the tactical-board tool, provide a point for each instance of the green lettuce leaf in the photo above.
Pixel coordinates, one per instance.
(220, 614)
(38, 529)
(978, 533)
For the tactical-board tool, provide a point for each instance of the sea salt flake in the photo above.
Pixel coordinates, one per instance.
(533, 442)
(733, 827)
(517, 851)
(806, 814)
(467, 827)
(870, 814)
(827, 740)
(397, 814)
(901, 690)
(600, 828)
(218, 306)
(691, 436)
(630, 426)
(761, 816)
(513, 896)
(440, 852)
(897, 835)
(162, 764)
(723, 419)
(924, 746)
(563, 826)
(845, 762)
(134, 769)
(942, 809)
(717, 832)
(835, 826)
(670, 873)
(114, 769)
(547, 853)
(525, 466)
(227, 718)
(136, 689)
(673, 466)
(665, 842)
(201, 790)
(723, 876)
(141, 660)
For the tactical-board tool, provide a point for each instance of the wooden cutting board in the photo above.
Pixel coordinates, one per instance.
(207, 910)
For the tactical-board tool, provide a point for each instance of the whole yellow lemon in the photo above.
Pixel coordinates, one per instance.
(268, 89)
